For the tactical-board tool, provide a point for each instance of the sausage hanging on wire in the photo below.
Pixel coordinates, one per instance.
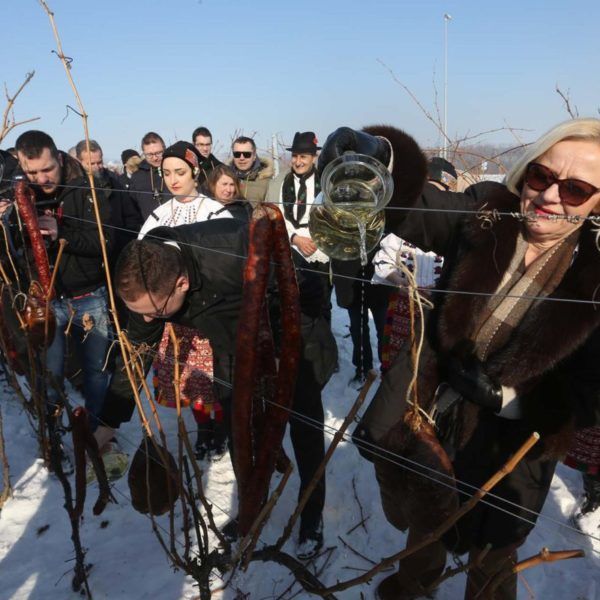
(25, 201)
(256, 274)
(257, 437)
(277, 412)
(424, 486)
(268, 438)
(39, 321)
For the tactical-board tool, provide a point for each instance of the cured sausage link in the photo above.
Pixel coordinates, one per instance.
(256, 273)
(277, 411)
(26, 205)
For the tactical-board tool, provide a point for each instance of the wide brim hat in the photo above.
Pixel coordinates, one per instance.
(304, 143)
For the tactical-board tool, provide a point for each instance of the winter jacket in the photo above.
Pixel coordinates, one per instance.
(126, 219)
(254, 189)
(550, 359)
(146, 189)
(213, 254)
(81, 268)
(206, 166)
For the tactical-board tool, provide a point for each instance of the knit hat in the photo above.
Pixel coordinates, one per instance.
(184, 151)
(127, 154)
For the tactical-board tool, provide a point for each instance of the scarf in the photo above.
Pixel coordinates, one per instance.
(251, 174)
(516, 292)
(289, 199)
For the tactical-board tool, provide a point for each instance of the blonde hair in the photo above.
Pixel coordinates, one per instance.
(575, 129)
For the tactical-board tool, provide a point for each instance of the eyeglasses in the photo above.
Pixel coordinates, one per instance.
(571, 191)
(239, 154)
(154, 154)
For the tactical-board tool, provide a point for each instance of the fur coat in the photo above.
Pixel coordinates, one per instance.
(551, 358)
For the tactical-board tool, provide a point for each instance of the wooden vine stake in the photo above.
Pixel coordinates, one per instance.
(66, 62)
(544, 556)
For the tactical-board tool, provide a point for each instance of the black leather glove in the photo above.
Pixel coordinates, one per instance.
(469, 379)
(345, 139)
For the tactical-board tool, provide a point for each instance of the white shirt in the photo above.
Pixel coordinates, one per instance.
(316, 256)
(393, 250)
(174, 213)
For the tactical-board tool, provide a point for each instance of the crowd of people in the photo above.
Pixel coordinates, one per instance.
(511, 343)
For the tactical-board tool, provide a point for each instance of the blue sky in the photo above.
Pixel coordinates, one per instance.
(275, 66)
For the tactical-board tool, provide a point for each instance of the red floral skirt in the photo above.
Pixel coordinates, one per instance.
(195, 368)
(396, 331)
(584, 454)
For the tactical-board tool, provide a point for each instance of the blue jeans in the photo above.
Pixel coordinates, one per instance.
(92, 346)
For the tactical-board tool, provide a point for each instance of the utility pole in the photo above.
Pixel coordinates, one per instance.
(275, 152)
(447, 18)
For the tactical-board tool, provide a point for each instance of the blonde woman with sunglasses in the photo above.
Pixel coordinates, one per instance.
(513, 340)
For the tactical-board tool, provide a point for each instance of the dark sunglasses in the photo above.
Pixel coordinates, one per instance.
(571, 191)
(239, 154)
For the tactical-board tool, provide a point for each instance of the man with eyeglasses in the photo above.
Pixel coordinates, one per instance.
(254, 172)
(202, 139)
(146, 187)
(193, 275)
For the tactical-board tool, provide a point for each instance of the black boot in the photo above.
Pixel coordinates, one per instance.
(203, 441)
(218, 442)
(310, 540)
(590, 500)
(230, 531)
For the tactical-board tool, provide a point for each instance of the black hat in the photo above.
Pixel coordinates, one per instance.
(438, 166)
(304, 143)
(186, 152)
(127, 154)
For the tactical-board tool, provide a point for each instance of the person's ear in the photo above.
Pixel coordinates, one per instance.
(183, 283)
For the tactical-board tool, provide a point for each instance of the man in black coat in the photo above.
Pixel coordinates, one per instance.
(126, 219)
(202, 139)
(65, 208)
(193, 275)
(146, 184)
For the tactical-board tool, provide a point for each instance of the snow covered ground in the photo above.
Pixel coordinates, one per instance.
(36, 552)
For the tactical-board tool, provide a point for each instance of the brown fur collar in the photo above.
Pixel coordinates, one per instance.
(551, 331)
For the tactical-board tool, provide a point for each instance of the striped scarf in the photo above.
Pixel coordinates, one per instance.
(518, 291)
